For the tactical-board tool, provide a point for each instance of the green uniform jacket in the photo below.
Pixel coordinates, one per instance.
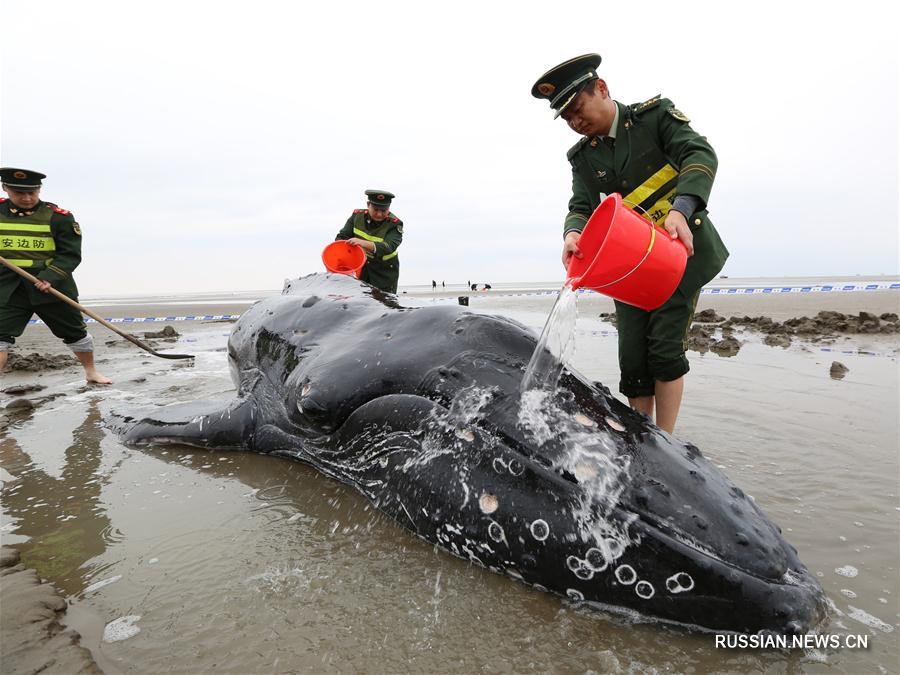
(657, 156)
(58, 269)
(382, 268)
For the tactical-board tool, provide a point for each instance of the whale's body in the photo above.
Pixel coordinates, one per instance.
(572, 492)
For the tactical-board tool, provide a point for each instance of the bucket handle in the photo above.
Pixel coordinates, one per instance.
(643, 212)
(649, 246)
(653, 228)
(640, 262)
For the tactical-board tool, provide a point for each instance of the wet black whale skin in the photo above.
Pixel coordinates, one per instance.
(418, 408)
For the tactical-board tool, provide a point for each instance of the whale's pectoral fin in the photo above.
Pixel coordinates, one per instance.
(206, 424)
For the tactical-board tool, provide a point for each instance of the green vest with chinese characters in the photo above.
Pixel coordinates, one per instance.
(27, 241)
(45, 242)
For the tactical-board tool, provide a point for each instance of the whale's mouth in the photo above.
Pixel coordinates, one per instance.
(793, 599)
(672, 533)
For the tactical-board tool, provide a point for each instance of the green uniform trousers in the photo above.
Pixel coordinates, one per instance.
(652, 345)
(63, 320)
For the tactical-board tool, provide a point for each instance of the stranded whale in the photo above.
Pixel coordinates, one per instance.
(570, 491)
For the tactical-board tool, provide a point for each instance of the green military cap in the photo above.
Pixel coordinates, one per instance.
(21, 179)
(380, 198)
(561, 84)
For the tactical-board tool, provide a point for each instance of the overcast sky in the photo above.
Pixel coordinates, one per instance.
(218, 145)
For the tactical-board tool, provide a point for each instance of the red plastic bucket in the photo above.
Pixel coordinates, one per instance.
(343, 258)
(626, 257)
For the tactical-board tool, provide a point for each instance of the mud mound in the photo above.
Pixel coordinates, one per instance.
(167, 332)
(35, 363)
(823, 324)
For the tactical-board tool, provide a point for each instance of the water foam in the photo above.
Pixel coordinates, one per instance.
(121, 628)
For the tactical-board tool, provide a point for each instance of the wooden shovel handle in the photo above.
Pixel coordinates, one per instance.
(84, 310)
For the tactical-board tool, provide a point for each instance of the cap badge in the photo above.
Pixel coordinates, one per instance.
(20, 174)
(546, 88)
(380, 197)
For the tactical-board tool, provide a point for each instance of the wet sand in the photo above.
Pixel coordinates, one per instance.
(239, 562)
(31, 637)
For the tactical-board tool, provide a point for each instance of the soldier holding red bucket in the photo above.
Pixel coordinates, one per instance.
(378, 232)
(649, 154)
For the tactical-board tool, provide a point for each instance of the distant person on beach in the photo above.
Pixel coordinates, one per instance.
(443, 285)
(379, 233)
(45, 241)
(649, 153)
(433, 285)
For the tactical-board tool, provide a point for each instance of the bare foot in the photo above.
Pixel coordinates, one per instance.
(90, 370)
(94, 377)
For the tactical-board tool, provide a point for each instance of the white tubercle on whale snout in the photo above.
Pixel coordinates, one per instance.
(614, 424)
(465, 434)
(488, 503)
(584, 420)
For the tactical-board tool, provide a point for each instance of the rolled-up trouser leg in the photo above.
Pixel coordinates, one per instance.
(85, 344)
(652, 345)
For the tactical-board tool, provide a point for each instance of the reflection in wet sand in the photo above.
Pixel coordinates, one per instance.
(63, 517)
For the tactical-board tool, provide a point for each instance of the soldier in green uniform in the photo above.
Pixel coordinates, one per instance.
(44, 240)
(648, 153)
(379, 232)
